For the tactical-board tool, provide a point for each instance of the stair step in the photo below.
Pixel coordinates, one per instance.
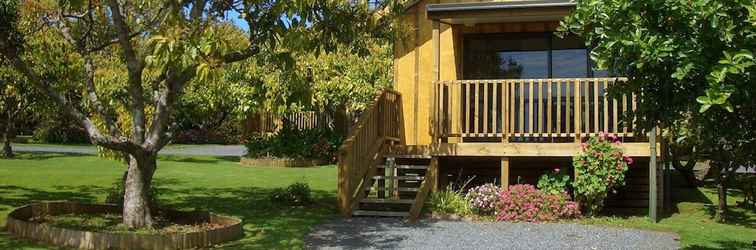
(401, 189)
(406, 166)
(405, 178)
(380, 213)
(410, 156)
(388, 201)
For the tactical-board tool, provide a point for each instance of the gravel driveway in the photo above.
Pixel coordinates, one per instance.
(211, 150)
(389, 233)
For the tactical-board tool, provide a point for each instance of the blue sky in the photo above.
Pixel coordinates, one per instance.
(235, 18)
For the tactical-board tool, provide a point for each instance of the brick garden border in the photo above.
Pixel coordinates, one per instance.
(18, 224)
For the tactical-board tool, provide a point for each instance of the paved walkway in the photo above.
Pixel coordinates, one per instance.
(386, 233)
(210, 150)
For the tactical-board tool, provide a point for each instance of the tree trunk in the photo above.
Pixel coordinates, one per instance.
(341, 121)
(8, 135)
(687, 173)
(136, 202)
(721, 179)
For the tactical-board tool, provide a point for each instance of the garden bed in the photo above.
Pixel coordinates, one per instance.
(94, 226)
(282, 162)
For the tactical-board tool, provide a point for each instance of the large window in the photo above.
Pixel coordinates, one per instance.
(525, 55)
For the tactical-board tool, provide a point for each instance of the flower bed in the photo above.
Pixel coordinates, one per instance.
(31, 222)
(525, 203)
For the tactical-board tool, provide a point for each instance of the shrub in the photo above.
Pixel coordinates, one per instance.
(525, 203)
(290, 142)
(599, 169)
(554, 182)
(298, 193)
(450, 201)
(60, 132)
(483, 198)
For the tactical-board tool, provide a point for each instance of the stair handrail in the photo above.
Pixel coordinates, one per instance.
(361, 152)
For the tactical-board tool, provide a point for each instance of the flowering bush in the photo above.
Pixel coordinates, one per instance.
(525, 203)
(483, 198)
(554, 182)
(599, 169)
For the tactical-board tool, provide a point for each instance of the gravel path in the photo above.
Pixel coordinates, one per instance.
(388, 233)
(210, 150)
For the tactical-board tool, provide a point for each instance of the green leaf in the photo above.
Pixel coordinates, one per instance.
(704, 108)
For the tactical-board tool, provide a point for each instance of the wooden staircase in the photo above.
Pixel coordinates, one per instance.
(394, 187)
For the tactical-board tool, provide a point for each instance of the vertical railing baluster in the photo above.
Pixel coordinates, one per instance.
(559, 108)
(549, 127)
(476, 120)
(485, 108)
(530, 107)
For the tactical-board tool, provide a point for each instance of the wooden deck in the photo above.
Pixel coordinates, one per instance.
(488, 149)
(531, 110)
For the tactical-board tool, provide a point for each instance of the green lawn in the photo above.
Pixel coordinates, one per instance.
(220, 185)
(694, 221)
(217, 184)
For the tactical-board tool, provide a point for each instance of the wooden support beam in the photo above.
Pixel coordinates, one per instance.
(504, 172)
(652, 195)
(436, 77)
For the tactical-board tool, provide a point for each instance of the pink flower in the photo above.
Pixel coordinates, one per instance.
(556, 170)
(628, 159)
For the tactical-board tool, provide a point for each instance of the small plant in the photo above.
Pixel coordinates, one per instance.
(298, 193)
(450, 201)
(554, 182)
(599, 169)
(483, 198)
(525, 203)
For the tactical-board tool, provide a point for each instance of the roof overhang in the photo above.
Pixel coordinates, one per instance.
(500, 12)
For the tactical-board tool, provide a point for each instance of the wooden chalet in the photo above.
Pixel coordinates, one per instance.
(486, 90)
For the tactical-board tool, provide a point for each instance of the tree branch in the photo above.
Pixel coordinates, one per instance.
(165, 105)
(135, 68)
(89, 69)
(120, 144)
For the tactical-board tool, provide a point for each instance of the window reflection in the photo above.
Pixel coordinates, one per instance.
(526, 56)
(523, 64)
(569, 63)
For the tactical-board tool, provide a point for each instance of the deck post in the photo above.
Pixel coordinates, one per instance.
(578, 112)
(504, 172)
(433, 174)
(652, 194)
(436, 78)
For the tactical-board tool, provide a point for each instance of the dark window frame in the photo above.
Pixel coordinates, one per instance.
(548, 36)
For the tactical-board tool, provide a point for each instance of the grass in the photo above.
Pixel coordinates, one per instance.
(221, 185)
(693, 219)
(216, 184)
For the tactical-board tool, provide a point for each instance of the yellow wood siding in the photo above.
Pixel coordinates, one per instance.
(414, 62)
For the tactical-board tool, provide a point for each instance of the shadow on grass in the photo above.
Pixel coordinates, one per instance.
(15, 196)
(200, 159)
(42, 156)
(723, 245)
(267, 225)
(8, 242)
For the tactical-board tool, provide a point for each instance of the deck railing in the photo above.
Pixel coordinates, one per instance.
(363, 149)
(531, 109)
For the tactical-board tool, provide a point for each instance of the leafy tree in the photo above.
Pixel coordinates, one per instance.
(162, 46)
(689, 60)
(17, 100)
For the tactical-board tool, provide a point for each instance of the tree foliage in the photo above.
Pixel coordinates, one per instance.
(689, 60)
(130, 62)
